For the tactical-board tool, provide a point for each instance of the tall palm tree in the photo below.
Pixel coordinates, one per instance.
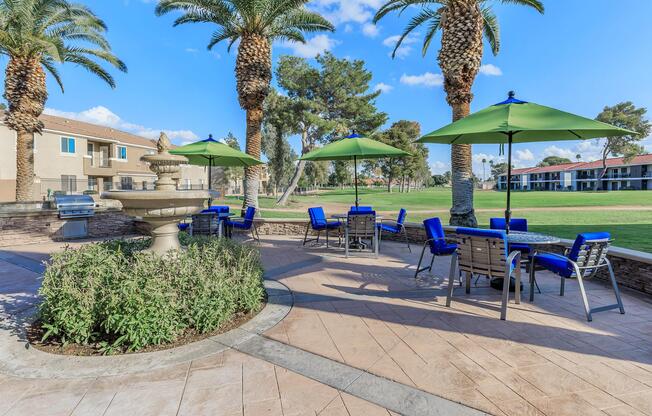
(463, 24)
(36, 35)
(256, 24)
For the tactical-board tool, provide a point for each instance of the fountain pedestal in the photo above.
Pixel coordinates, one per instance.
(164, 207)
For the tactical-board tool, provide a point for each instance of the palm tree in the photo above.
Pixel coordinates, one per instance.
(36, 35)
(256, 24)
(463, 24)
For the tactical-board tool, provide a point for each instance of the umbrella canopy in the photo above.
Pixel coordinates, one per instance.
(354, 147)
(516, 121)
(211, 153)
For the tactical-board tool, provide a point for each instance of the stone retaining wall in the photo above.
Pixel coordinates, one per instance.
(44, 225)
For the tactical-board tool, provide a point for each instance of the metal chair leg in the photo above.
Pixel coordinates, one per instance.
(614, 284)
(346, 243)
(305, 237)
(585, 299)
(419, 270)
(405, 235)
(451, 279)
(431, 263)
(532, 279)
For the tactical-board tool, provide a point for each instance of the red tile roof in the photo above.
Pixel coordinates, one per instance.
(616, 161)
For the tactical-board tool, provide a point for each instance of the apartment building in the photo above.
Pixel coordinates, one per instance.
(584, 176)
(76, 157)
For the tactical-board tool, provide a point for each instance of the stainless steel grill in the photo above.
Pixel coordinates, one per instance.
(75, 206)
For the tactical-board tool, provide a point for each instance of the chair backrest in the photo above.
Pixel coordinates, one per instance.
(590, 249)
(401, 216)
(317, 217)
(482, 252)
(515, 224)
(249, 216)
(361, 224)
(361, 209)
(205, 223)
(435, 233)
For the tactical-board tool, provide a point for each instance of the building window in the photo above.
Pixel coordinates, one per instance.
(89, 149)
(122, 152)
(126, 183)
(68, 183)
(92, 183)
(67, 145)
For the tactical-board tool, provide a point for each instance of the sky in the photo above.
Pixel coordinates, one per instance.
(579, 56)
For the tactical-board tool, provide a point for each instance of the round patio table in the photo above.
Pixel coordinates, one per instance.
(535, 239)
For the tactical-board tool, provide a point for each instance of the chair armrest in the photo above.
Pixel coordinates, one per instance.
(514, 258)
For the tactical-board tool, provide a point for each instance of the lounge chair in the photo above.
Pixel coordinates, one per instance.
(485, 252)
(319, 223)
(245, 223)
(436, 241)
(361, 226)
(395, 227)
(583, 260)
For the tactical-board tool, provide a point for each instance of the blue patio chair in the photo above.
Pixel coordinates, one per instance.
(485, 252)
(361, 225)
(246, 223)
(436, 241)
(515, 224)
(319, 223)
(220, 209)
(395, 227)
(587, 255)
(361, 209)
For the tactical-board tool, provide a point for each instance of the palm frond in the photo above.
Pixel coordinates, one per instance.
(491, 29)
(535, 4)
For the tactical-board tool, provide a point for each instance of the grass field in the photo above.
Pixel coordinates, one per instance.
(626, 214)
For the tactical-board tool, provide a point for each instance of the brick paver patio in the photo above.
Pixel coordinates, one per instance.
(372, 315)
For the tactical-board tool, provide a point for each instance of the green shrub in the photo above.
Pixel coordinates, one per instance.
(112, 295)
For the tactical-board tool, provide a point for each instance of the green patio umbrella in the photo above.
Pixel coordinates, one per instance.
(211, 153)
(354, 147)
(516, 121)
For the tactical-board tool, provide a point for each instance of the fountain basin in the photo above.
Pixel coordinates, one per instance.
(163, 210)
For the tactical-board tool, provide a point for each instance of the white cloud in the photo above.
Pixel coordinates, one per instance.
(524, 155)
(491, 70)
(313, 46)
(438, 167)
(370, 30)
(405, 50)
(382, 87)
(558, 151)
(427, 79)
(105, 117)
(344, 11)
(191, 50)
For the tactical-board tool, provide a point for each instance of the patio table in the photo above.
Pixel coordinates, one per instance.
(344, 218)
(530, 238)
(223, 216)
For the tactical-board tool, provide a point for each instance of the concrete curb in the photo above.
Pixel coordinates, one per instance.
(18, 359)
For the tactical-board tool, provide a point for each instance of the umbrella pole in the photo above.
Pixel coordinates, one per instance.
(508, 211)
(355, 175)
(210, 180)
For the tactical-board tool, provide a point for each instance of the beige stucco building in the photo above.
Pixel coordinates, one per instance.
(76, 157)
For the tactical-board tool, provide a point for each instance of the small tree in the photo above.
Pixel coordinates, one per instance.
(627, 116)
(553, 161)
(578, 157)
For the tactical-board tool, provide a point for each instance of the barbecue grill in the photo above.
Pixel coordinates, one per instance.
(75, 206)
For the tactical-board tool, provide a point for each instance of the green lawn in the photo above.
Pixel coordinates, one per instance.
(631, 228)
(440, 198)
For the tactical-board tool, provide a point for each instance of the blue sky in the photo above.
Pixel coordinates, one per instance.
(579, 56)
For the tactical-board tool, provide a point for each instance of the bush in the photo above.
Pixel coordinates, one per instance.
(112, 295)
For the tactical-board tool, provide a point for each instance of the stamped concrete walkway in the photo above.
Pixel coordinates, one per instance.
(364, 336)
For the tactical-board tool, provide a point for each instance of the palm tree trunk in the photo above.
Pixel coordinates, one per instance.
(462, 213)
(252, 173)
(24, 166)
(26, 94)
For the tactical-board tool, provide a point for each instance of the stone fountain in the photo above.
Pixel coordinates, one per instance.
(164, 207)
